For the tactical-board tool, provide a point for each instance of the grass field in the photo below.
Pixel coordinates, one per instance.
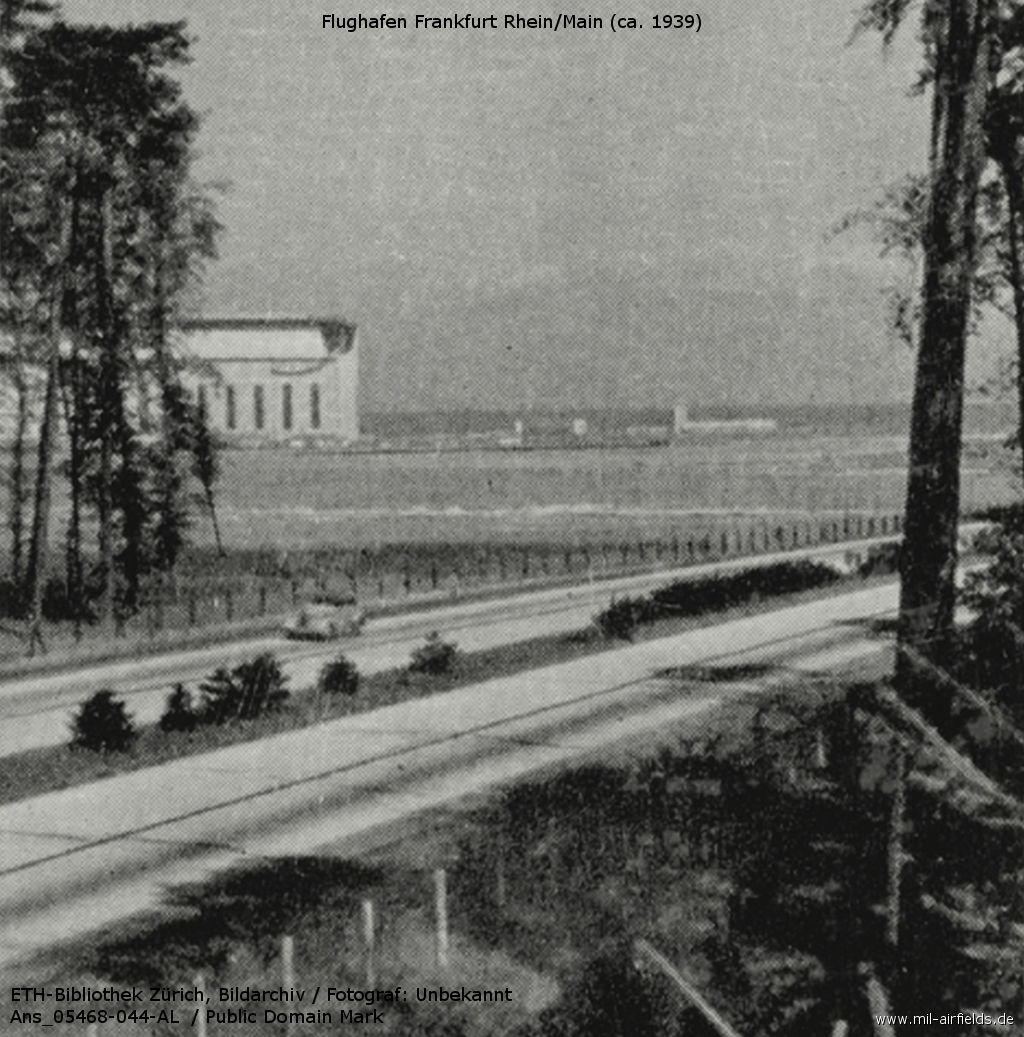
(284, 498)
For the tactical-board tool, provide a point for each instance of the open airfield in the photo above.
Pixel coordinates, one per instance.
(293, 498)
(427, 479)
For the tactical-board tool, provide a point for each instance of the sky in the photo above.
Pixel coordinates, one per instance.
(536, 218)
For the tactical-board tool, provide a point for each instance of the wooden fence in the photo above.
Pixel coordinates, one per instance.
(394, 574)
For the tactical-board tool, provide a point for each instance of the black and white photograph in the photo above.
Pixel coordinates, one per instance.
(513, 518)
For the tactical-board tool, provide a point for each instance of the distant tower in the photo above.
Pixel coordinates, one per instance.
(680, 419)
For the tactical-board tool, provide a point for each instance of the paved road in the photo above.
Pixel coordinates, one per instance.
(74, 860)
(34, 711)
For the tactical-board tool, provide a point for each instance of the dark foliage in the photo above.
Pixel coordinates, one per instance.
(1009, 516)
(180, 712)
(992, 655)
(881, 560)
(622, 617)
(102, 724)
(338, 677)
(249, 690)
(712, 594)
(435, 656)
(58, 603)
(610, 998)
(728, 590)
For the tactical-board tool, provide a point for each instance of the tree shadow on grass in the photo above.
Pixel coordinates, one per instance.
(250, 906)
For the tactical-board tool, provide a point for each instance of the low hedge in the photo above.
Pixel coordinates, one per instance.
(714, 593)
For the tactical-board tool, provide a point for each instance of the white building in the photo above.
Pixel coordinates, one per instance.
(274, 378)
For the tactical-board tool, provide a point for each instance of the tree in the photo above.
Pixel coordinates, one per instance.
(1005, 137)
(964, 52)
(113, 232)
(205, 467)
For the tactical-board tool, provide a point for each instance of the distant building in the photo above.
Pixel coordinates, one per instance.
(274, 378)
(258, 378)
(682, 424)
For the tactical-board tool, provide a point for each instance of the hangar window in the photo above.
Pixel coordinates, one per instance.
(232, 413)
(257, 405)
(286, 406)
(314, 406)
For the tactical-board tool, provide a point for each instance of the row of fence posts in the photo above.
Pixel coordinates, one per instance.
(514, 564)
(368, 931)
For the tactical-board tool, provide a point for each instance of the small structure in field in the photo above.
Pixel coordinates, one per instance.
(682, 424)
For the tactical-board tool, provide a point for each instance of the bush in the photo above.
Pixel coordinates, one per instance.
(727, 590)
(434, 656)
(622, 617)
(248, 691)
(102, 724)
(338, 677)
(715, 593)
(993, 655)
(882, 559)
(180, 712)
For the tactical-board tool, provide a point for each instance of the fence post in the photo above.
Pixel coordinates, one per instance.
(200, 985)
(441, 916)
(369, 940)
(288, 972)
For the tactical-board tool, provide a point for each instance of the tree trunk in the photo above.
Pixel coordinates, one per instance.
(73, 408)
(211, 506)
(964, 53)
(18, 490)
(35, 570)
(1015, 212)
(108, 388)
(35, 577)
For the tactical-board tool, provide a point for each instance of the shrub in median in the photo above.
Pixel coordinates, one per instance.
(715, 593)
(102, 724)
(729, 589)
(434, 656)
(249, 690)
(338, 677)
(180, 711)
(622, 617)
